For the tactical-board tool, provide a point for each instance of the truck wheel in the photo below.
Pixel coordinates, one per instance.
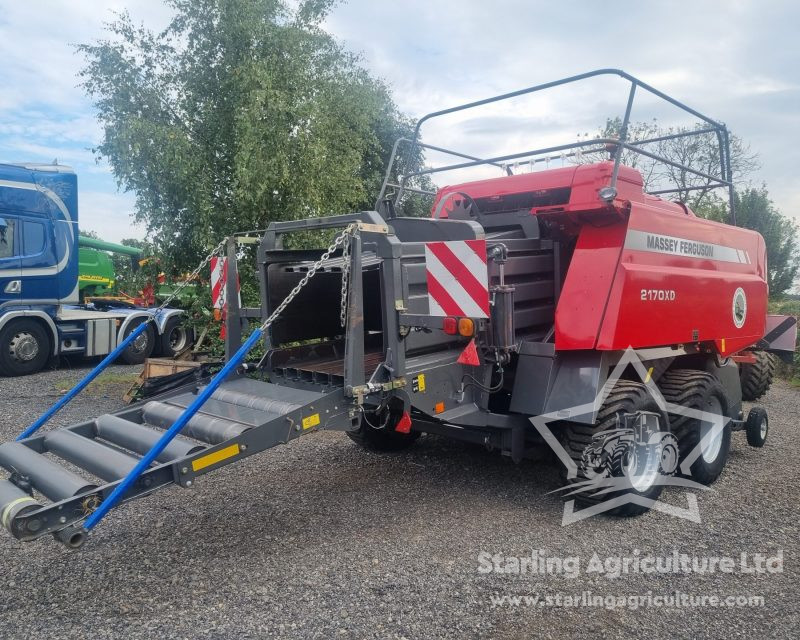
(757, 427)
(175, 338)
(756, 378)
(24, 347)
(141, 348)
(381, 440)
(625, 397)
(701, 391)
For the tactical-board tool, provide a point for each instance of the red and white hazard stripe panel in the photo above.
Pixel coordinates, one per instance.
(458, 279)
(219, 278)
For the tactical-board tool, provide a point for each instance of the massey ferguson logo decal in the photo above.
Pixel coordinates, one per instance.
(684, 247)
(739, 308)
(656, 243)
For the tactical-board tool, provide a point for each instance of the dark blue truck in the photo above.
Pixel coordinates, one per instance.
(40, 314)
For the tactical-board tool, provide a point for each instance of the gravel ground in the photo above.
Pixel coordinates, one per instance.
(321, 539)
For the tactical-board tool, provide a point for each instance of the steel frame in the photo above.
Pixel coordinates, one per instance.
(725, 179)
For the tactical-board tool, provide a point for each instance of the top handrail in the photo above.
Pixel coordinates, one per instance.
(718, 128)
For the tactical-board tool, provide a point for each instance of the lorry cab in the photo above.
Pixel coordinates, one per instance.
(38, 228)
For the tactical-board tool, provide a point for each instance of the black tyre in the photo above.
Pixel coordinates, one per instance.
(384, 439)
(756, 378)
(175, 338)
(703, 392)
(25, 347)
(757, 427)
(625, 397)
(142, 346)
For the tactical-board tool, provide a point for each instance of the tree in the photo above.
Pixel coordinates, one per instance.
(240, 113)
(700, 152)
(755, 210)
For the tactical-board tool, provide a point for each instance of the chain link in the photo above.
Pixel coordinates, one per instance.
(192, 276)
(345, 280)
(340, 240)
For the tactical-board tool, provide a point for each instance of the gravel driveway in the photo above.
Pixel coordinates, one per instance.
(320, 539)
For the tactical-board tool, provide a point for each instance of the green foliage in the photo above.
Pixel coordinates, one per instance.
(755, 210)
(240, 113)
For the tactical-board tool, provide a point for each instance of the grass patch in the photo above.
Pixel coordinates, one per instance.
(101, 385)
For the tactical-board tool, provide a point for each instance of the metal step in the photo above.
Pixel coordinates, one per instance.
(246, 417)
(96, 458)
(140, 438)
(46, 476)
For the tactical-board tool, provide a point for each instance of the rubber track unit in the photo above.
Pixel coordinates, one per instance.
(687, 388)
(756, 378)
(626, 397)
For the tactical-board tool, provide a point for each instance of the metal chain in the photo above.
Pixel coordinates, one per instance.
(214, 252)
(345, 280)
(343, 237)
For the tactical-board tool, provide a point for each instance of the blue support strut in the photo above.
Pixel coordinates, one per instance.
(66, 399)
(121, 489)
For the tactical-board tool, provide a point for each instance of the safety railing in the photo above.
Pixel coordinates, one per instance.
(617, 145)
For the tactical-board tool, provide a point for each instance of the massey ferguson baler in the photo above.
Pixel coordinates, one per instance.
(566, 308)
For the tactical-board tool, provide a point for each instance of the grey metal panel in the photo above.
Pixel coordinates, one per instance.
(100, 336)
(578, 378)
(429, 230)
(728, 375)
(531, 383)
(46, 476)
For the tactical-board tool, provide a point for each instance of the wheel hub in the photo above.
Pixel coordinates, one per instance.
(140, 343)
(23, 347)
(178, 339)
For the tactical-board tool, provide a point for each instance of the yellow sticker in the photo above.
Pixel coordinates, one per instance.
(421, 382)
(311, 421)
(213, 458)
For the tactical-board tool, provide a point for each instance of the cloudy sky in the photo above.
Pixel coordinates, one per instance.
(737, 61)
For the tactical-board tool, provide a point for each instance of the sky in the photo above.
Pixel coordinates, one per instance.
(737, 61)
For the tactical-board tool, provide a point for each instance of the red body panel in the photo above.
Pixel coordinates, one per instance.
(659, 298)
(645, 272)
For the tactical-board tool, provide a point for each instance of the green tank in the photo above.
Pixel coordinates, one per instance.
(96, 276)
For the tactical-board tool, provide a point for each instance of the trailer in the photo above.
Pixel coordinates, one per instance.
(541, 294)
(41, 314)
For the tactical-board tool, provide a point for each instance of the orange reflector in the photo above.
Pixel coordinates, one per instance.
(217, 315)
(438, 407)
(450, 326)
(466, 327)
